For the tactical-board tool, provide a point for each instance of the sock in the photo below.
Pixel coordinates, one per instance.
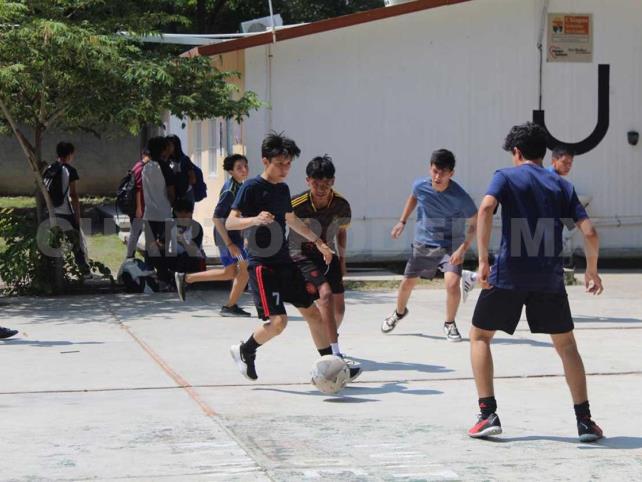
(487, 406)
(335, 348)
(250, 345)
(400, 314)
(325, 351)
(582, 411)
(449, 322)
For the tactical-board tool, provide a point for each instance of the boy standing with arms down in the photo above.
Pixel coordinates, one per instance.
(262, 208)
(328, 215)
(441, 238)
(528, 272)
(230, 243)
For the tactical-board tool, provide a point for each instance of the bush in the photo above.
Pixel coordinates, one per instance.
(25, 269)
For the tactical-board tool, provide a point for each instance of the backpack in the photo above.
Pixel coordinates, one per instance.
(52, 179)
(136, 277)
(126, 193)
(200, 188)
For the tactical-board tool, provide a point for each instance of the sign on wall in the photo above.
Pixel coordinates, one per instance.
(570, 37)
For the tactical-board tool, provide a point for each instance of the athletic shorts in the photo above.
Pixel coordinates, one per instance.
(226, 257)
(315, 271)
(501, 309)
(274, 285)
(425, 260)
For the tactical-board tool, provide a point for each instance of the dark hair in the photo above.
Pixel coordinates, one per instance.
(178, 148)
(144, 152)
(321, 167)
(65, 149)
(229, 161)
(443, 159)
(156, 146)
(529, 138)
(276, 144)
(183, 205)
(561, 151)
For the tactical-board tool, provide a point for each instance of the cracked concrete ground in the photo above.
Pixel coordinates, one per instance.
(142, 387)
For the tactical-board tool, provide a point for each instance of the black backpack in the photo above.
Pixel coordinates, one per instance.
(126, 195)
(200, 188)
(52, 179)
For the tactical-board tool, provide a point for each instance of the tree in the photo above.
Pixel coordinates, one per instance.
(64, 64)
(225, 16)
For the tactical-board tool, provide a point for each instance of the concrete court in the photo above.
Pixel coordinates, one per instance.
(143, 388)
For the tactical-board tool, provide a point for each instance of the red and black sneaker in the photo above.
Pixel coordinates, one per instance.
(486, 427)
(588, 430)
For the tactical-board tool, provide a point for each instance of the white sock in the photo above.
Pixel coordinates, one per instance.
(335, 348)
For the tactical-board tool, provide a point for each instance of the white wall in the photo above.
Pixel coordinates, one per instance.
(380, 97)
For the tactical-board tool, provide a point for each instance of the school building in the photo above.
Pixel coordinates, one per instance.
(380, 90)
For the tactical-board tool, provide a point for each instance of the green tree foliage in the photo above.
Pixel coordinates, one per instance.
(225, 16)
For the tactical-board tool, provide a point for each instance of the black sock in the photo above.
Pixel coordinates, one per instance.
(487, 406)
(582, 411)
(401, 314)
(325, 351)
(250, 345)
(449, 322)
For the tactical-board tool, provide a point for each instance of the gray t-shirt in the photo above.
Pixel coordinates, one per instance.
(441, 216)
(69, 175)
(155, 183)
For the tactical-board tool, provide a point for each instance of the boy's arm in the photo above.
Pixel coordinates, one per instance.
(484, 228)
(75, 201)
(342, 242)
(236, 222)
(300, 227)
(592, 280)
(458, 256)
(409, 207)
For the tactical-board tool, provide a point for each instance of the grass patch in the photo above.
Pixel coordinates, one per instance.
(108, 249)
(387, 285)
(29, 202)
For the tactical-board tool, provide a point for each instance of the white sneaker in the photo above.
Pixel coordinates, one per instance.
(390, 323)
(451, 332)
(467, 283)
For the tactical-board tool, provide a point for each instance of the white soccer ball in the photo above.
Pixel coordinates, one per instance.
(330, 374)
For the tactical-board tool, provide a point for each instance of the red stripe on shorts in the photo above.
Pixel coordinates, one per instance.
(259, 278)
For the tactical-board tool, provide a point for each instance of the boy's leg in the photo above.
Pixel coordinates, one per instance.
(453, 295)
(239, 284)
(317, 328)
(573, 367)
(135, 228)
(481, 360)
(218, 274)
(404, 292)
(338, 300)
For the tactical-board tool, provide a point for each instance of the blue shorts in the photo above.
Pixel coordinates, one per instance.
(227, 259)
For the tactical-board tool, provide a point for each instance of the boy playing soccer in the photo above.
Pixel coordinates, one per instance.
(441, 239)
(528, 272)
(230, 244)
(262, 209)
(328, 215)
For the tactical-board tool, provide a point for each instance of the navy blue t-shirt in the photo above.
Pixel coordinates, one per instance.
(534, 204)
(222, 211)
(266, 244)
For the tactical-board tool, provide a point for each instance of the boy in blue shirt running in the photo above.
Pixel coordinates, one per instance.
(528, 272)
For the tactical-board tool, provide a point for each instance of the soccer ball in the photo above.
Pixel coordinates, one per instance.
(330, 374)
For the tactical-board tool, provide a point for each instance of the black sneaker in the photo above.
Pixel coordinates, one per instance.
(244, 361)
(7, 332)
(180, 285)
(485, 427)
(353, 366)
(589, 431)
(234, 310)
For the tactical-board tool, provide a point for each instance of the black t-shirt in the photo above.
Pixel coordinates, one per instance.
(325, 223)
(266, 244)
(168, 173)
(222, 210)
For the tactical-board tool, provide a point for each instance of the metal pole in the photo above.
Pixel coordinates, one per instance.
(272, 18)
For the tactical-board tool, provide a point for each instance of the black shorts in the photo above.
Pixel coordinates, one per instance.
(501, 309)
(274, 285)
(315, 271)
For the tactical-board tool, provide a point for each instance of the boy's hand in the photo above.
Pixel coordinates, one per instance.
(397, 230)
(593, 283)
(483, 272)
(325, 250)
(264, 218)
(234, 250)
(457, 257)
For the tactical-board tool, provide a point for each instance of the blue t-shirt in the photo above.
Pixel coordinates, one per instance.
(266, 244)
(222, 211)
(441, 216)
(534, 204)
